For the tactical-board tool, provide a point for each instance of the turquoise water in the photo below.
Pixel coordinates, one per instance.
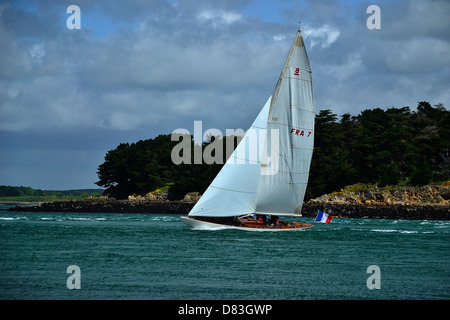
(137, 256)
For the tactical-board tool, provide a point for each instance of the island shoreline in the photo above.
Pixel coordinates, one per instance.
(412, 212)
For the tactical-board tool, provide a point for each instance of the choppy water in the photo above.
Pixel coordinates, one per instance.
(137, 256)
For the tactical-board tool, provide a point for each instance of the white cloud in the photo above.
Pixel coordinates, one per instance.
(324, 35)
(37, 52)
(279, 37)
(418, 55)
(340, 73)
(218, 18)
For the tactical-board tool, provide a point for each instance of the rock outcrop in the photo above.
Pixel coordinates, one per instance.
(423, 212)
(360, 194)
(430, 202)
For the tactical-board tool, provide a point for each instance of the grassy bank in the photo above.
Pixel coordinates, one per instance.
(13, 194)
(50, 198)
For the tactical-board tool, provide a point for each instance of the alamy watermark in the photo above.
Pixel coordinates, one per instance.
(74, 20)
(254, 146)
(374, 280)
(74, 280)
(374, 21)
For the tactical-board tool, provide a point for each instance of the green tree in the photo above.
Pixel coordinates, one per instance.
(141, 167)
(376, 146)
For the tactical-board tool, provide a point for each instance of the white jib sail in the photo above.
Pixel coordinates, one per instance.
(233, 190)
(272, 180)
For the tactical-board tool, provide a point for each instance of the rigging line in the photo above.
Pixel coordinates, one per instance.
(246, 161)
(286, 214)
(232, 190)
(300, 68)
(286, 77)
(292, 178)
(285, 172)
(296, 107)
(303, 148)
(256, 127)
(287, 125)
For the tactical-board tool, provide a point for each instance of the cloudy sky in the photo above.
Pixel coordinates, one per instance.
(140, 68)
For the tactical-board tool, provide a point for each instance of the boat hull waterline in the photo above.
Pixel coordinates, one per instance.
(245, 224)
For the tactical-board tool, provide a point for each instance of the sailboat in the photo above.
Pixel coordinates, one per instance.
(253, 189)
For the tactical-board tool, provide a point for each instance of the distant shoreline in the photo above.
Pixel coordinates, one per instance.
(413, 212)
(19, 203)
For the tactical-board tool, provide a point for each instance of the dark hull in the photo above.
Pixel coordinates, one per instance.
(244, 223)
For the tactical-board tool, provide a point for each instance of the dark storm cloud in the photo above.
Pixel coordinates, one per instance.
(137, 69)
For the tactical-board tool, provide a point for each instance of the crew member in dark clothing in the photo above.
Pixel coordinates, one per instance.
(275, 220)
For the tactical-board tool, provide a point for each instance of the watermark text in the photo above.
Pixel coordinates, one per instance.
(256, 146)
(74, 280)
(74, 20)
(374, 21)
(374, 280)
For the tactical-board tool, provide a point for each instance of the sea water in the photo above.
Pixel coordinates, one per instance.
(156, 256)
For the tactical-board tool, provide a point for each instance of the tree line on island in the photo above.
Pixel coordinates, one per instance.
(27, 193)
(384, 147)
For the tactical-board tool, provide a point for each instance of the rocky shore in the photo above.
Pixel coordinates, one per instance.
(430, 202)
(422, 212)
(110, 206)
(357, 201)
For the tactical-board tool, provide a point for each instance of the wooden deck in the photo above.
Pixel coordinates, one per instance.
(243, 223)
(252, 223)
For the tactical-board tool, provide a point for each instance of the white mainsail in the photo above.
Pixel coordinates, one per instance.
(273, 181)
(292, 113)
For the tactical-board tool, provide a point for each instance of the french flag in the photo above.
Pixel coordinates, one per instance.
(323, 217)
